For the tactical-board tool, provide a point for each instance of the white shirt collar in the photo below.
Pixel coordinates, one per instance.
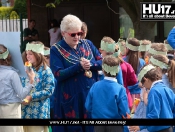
(155, 83)
(111, 79)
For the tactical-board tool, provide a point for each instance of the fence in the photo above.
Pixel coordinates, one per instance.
(10, 24)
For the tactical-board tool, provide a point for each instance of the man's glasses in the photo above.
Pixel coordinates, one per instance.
(74, 34)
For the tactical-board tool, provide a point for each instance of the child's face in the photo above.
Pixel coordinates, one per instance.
(30, 57)
(104, 53)
(147, 83)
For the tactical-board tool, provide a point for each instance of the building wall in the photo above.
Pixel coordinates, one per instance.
(4, 3)
(100, 20)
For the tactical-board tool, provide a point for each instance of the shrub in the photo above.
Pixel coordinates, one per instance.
(5, 12)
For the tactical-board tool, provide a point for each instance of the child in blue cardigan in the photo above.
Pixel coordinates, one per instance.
(107, 99)
(161, 99)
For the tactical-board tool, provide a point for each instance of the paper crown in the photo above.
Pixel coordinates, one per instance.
(144, 71)
(121, 46)
(144, 47)
(47, 52)
(4, 55)
(113, 70)
(131, 47)
(108, 47)
(155, 52)
(38, 48)
(158, 63)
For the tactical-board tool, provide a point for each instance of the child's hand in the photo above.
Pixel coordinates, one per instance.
(27, 100)
(31, 75)
(127, 116)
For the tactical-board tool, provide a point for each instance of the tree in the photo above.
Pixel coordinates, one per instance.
(21, 8)
(143, 29)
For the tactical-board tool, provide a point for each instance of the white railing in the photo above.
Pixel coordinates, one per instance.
(12, 25)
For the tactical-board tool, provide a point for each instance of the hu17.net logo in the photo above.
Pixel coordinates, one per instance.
(159, 11)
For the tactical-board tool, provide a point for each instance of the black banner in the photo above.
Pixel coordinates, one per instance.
(157, 11)
(54, 122)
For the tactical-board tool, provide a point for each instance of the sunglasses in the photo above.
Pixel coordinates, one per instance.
(74, 34)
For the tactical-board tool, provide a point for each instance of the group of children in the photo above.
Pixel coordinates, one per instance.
(131, 70)
(148, 75)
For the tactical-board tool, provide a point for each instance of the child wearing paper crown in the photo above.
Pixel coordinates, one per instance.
(143, 48)
(129, 77)
(11, 92)
(107, 99)
(132, 54)
(141, 109)
(38, 104)
(161, 99)
(108, 47)
(157, 49)
(168, 68)
(133, 58)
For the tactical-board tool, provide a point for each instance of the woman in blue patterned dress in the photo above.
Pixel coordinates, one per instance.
(75, 64)
(37, 105)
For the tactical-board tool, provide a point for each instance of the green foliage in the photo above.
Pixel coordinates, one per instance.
(50, 5)
(14, 15)
(5, 12)
(21, 7)
(0, 4)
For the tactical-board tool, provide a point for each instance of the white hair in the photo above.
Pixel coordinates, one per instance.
(70, 22)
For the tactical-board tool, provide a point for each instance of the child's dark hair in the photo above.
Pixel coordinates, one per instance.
(6, 61)
(142, 53)
(110, 61)
(133, 56)
(153, 75)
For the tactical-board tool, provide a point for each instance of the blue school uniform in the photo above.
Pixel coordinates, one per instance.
(171, 38)
(107, 100)
(167, 83)
(119, 76)
(161, 100)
